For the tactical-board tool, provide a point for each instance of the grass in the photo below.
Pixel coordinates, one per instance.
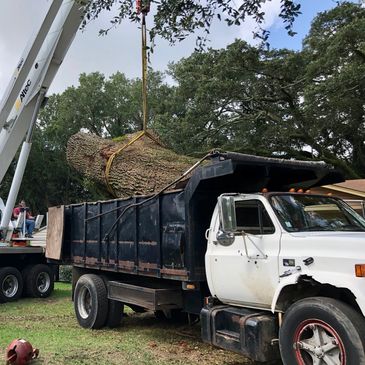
(50, 325)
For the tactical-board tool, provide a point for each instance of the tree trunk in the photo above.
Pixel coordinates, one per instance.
(143, 167)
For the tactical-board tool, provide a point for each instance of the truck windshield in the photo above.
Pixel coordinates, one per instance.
(301, 212)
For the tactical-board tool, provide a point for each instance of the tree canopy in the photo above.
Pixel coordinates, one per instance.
(307, 104)
(174, 20)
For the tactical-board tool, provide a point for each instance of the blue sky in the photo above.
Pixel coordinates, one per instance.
(120, 50)
(309, 9)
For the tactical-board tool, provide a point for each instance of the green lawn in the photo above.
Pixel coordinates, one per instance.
(50, 325)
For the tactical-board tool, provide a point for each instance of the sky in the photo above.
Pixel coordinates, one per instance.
(120, 49)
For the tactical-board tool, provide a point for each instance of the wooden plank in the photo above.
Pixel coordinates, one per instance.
(21, 250)
(55, 232)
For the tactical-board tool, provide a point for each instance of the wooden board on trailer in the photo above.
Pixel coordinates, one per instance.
(55, 232)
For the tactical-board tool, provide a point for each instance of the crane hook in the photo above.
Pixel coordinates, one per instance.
(143, 6)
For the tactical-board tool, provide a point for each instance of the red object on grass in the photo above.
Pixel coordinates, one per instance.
(20, 352)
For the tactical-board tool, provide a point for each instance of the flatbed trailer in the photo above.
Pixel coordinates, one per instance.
(24, 271)
(4, 251)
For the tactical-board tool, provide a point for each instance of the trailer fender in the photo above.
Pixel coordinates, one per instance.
(337, 280)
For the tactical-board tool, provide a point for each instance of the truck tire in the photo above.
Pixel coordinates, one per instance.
(11, 284)
(115, 313)
(322, 331)
(90, 301)
(39, 281)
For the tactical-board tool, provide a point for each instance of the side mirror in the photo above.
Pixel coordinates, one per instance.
(225, 238)
(227, 214)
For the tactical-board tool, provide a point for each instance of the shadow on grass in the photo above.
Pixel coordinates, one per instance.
(172, 333)
(62, 290)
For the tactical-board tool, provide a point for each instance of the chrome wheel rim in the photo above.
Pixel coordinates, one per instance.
(10, 286)
(317, 343)
(43, 282)
(84, 302)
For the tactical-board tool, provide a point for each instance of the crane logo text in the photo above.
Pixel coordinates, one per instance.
(25, 90)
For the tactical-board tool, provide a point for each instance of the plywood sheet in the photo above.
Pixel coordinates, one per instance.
(55, 232)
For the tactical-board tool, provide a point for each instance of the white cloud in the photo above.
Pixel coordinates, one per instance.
(271, 9)
(18, 22)
(120, 50)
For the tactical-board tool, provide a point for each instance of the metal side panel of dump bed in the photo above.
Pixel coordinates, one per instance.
(148, 240)
(165, 237)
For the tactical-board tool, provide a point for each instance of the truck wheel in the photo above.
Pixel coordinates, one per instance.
(90, 301)
(11, 284)
(39, 282)
(322, 331)
(115, 313)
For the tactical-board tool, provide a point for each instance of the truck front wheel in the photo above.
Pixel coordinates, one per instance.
(90, 301)
(322, 331)
(11, 284)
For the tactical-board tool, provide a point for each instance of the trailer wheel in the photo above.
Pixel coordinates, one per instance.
(115, 313)
(322, 331)
(11, 284)
(90, 301)
(39, 281)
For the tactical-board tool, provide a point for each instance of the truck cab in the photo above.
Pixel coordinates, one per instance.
(270, 251)
(275, 239)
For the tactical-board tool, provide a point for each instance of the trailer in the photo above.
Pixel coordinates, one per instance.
(23, 267)
(226, 248)
(24, 271)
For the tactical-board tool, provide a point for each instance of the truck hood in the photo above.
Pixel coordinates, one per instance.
(332, 235)
(326, 257)
(330, 250)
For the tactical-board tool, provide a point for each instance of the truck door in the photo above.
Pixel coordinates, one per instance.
(245, 271)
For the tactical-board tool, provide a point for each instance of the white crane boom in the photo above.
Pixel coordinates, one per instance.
(26, 91)
(25, 63)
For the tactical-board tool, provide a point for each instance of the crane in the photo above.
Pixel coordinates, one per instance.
(26, 92)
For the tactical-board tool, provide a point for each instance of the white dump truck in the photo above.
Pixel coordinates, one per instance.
(271, 272)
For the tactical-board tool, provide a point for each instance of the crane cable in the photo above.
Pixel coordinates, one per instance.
(143, 8)
(144, 72)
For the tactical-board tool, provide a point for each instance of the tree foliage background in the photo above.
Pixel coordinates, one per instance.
(280, 103)
(174, 20)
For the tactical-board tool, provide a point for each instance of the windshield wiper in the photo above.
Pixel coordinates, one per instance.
(317, 228)
(351, 227)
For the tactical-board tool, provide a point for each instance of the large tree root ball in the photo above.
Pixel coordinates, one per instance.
(141, 168)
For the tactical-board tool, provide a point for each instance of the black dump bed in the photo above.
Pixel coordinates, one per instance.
(165, 237)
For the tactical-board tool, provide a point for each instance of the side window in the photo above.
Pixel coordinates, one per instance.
(253, 218)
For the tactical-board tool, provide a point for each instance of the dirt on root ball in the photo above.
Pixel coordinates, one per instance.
(141, 168)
